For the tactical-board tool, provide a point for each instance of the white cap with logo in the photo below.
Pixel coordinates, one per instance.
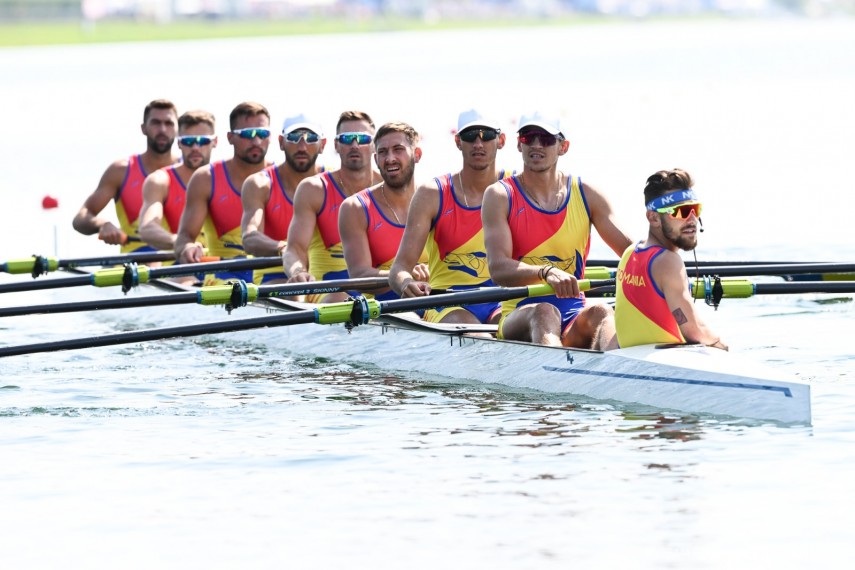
(550, 124)
(473, 118)
(301, 122)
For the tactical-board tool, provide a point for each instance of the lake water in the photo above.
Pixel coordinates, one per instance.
(225, 452)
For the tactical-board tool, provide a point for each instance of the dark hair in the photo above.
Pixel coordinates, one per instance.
(666, 181)
(247, 109)
(398, 127)
(158, 104)
(193, 118)
(354, 116)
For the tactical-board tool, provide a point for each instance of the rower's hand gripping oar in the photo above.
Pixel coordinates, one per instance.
(356, 311)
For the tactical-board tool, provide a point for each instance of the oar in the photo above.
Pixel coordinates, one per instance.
(39, 265)
(354, 312)
(790, 271)
(713, 290)
(232, 296)
(690, 262)
(132, 275)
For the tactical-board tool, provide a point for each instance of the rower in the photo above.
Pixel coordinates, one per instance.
(213, 194)
(653, 302)
(313, 250)
(268, 196)
(371, 222)
(123, 180)
(455, 239)
(165, 190)
(537, 228)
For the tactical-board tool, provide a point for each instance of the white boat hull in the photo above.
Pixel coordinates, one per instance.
(695, 379)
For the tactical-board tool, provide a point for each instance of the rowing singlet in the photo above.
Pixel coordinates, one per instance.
(455, 246)
(561, 238)
(128, 204)
(279, 208)
(642, 315)
(326, 256)
(175, 199)
(384, 237)
(222, 226)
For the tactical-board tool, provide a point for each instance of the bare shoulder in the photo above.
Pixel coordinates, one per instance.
(427, 187)
(257, 181)
(668, 265)
(200, 182)
(158, 177)
(594, 195)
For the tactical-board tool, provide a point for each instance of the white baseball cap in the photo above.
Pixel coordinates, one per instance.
(473, 118)
(550, 124)
(301, 122)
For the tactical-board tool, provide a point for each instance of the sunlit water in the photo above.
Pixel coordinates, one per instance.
(234, 452)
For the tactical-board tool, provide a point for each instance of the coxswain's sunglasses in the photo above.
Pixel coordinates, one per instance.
(252, 132)
(469, 135)
(190, 140)
(528, 138)
(682, 211)
(348, 138)
(296, 136)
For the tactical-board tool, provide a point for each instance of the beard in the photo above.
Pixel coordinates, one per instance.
(301, 168)
(405, 178)
(253, 156)
(684, 242)
(162, 147)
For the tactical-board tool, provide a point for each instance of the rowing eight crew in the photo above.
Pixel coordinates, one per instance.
(476, 227)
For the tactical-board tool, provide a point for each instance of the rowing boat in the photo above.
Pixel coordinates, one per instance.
(685, 378)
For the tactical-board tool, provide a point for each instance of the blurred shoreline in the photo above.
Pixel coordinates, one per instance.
(65, 22)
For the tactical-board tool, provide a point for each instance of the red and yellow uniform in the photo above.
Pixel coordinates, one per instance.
(642, 315)
(175, 200)
(222, 226)
(457, 257)
(384, 237)
(561, 238)
(326, 255)
(128, 204)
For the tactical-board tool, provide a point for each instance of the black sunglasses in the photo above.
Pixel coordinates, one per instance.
(469, 135)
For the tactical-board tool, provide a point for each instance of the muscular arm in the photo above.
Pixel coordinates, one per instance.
(423, 209)
(669, 272)
(87, 221)
(155, 192)
(187, 249)
(603, 219)
(353, 229)
(308, 199)
(254, 196)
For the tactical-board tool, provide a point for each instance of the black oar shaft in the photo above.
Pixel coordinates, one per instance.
(295, 318)
(217, 295)
(146, 257)
(234, 264)
(101, 304)
(771, 270)
(804, 287)
(41, 285)
(322, 287)
(691, 263)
